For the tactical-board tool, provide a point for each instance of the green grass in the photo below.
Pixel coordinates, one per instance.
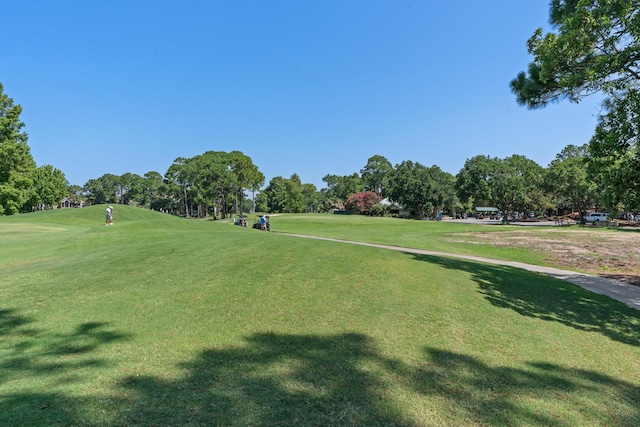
(448, 237)
(166, 321)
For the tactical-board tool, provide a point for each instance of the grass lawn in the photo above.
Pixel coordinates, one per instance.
(444, 236)
(161, 320)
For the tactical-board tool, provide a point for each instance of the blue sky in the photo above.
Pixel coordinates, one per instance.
(306, 87)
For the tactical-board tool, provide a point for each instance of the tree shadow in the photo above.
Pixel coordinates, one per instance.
(534, 295)
(343, 380)
(339, 380)
(29, 355)
(272, 380)
(534, 394)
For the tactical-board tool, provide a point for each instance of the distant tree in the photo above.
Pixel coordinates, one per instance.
(310, 194)
(341, 187)
(76, 194)
(375, 175)
(255, 182)
(177, 180)
(48, 188)
(568, 181)
(132, 189)
(519, 184)
(102, 190)
(508, 184)
(295, 202)
(245, 176)
(410, 185)
(211, 179)
(426, 190)
(443, 190)
(261, 202)
(16, 163)
(327, 202)
(153, 189)
(473, 182)
(276, 195)
(285, 195)
(360, 203)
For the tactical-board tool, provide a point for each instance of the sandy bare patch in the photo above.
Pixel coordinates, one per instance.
(614, 254)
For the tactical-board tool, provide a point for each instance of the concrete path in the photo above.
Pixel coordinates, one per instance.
(623, 292)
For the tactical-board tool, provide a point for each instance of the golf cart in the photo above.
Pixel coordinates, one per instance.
(259, 224)
(241, 221)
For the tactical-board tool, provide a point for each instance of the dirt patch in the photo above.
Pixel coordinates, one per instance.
(614, 254)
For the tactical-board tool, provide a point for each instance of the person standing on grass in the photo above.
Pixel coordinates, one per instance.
(109, 215)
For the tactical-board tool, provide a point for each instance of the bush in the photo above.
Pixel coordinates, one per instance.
(359, 203)
(379, 210)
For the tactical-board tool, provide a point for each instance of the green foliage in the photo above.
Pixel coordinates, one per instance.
(102, 190)
(596, 49)
(426, 190)
(361, 203)
(311, 197)
(514, 183)
(192, 187)
(375, 175)
(48, 188)
(295, 201)
(569, 183)
(615, 151)
(339, 188)
(16, 163)
(262, 202)
(286, 195)
(76, 193)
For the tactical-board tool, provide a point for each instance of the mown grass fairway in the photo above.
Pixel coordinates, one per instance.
(165, 321)
(447, 237)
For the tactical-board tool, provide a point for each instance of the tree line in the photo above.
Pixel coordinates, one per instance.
(594, 47)
(217, 184)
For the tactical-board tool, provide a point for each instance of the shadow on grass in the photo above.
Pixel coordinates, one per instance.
(535, 295)
(272, 380)
(36, 358)
(343, 380)
(534, 394)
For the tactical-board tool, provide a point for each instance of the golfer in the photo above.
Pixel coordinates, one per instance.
(109, 215)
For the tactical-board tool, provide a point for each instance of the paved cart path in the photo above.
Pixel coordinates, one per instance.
(628, 294)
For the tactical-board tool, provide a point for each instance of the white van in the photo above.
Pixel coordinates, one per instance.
(597, 216)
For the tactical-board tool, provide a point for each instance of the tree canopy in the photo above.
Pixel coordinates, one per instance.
(569, 183)
(375, 175)
(49, 186)
(16, 163)
(508, 184)
(595, 49)
(426, 190)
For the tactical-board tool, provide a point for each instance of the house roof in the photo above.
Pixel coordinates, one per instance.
(486, 209)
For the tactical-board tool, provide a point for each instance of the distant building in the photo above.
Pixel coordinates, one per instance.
(396, 209)
(68, 202)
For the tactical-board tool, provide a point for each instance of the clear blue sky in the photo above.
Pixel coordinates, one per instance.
(300, 86)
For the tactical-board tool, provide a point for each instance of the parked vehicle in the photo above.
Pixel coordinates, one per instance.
(597, 217)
